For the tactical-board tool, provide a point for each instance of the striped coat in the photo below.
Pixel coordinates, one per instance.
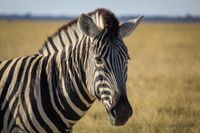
(51, 90)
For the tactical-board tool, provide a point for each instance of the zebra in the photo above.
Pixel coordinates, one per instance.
(83, 61)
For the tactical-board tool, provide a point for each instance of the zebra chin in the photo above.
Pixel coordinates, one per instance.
(120, 114)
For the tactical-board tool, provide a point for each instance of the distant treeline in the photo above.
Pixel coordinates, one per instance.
(187, 18)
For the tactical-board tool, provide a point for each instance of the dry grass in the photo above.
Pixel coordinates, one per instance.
(164, 75)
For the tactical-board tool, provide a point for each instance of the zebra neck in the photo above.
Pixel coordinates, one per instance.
(67, 87)
(70, 71)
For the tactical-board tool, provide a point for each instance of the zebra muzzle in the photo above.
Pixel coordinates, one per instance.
(120, 114)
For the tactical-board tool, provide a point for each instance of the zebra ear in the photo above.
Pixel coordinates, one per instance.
(127, 28)
(87, 25)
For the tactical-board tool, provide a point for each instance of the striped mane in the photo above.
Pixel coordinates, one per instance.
(103, 18)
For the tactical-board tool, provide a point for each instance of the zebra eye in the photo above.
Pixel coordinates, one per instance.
(98, 60)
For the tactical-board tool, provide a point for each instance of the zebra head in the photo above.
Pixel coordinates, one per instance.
(106, 71)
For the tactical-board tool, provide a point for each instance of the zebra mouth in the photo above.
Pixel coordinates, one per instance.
(117, 119)
(120, 113)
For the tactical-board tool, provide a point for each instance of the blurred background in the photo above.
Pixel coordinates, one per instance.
(164, 71)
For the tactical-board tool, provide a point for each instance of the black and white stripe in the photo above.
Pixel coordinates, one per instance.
(50, 91)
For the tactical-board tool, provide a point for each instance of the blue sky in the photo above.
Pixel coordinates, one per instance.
(119, 7)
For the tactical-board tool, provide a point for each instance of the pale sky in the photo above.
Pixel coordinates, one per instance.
(119, 7)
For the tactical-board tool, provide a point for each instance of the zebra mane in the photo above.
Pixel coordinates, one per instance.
(103, 18)
(110, 22)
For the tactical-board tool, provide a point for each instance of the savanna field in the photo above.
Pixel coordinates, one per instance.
(163, 77)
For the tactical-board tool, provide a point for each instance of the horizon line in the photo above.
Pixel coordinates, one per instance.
(118, 15)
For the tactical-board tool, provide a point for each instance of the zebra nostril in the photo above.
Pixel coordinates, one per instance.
(122, 111)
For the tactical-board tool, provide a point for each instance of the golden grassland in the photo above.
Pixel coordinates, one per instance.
(163, 79)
